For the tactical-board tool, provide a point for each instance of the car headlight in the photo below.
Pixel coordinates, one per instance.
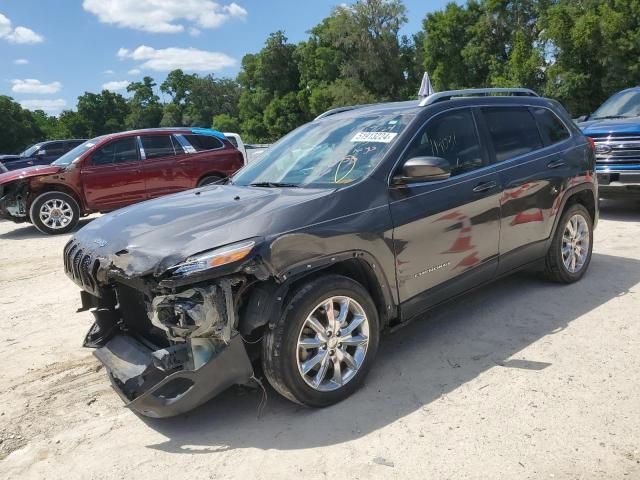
(215, 258)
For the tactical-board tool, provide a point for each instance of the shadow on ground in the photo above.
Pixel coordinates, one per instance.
(626, 210)
(26, 230)
(451, 346)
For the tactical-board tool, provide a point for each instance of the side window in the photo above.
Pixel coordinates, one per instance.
(452, 136)
(117, 151)
(71, 145)
(204, 142)
(233, 141)
(157, 146)
(54, 148)
(551, 127)
(513, 131)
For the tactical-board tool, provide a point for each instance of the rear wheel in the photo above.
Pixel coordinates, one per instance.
(323, 345)
(210, 180)
(570, 252)
(54, 213)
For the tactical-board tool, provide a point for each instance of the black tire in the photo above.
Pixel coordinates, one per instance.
(210, 180)
(280, 344)
(61, 226)
(555, 268)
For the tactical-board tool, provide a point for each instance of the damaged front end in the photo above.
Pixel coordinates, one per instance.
(13, 202)
(166, 347)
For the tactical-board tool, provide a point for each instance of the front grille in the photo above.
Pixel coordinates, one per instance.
(622, 150)
(81, 267)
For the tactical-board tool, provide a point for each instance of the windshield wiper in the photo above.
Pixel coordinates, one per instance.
(611, 117)
(274, 185)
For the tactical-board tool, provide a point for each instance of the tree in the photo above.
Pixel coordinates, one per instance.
(594, 46)
(171, 115)
(101, 113)
(19, 129)
(210, 97)
(144, 105)
(226, 123)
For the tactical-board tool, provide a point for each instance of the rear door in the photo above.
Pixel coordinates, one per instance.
(532, 169)
(112, 177)
(446, 232)
(163, 165)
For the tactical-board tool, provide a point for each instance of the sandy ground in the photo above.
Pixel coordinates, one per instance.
(522, 379)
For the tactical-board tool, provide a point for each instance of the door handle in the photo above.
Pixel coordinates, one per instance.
(556, 164)
(484, 186)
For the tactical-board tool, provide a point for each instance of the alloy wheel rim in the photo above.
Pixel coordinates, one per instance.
(56, 213)
(332, 343)
(575, 243)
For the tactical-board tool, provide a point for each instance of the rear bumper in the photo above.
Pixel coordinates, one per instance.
(622, 183)
(151, 391)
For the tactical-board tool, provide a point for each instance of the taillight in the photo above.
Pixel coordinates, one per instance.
(592, 144)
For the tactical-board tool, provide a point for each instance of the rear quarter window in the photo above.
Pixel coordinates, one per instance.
(204, 142)
(513, 131)
(551, 127)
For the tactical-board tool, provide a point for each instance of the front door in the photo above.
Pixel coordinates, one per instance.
(446, 232)
(112, 177)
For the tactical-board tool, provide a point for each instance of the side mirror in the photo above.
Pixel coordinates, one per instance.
(423, 169)
(582, 118)
(41, 153)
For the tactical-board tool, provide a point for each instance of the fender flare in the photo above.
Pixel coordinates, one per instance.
(565, 198)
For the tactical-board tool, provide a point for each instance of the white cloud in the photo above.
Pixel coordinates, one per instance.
(18, 34)
(49, 106)
(109, 72)
(134, 71)
(163, 16)
(188, 59)
(21, 61)
(31, 85)
(116, 85)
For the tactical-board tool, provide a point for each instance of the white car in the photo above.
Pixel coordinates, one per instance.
(250, 152)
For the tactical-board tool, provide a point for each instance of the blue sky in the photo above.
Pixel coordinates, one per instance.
(51, 51)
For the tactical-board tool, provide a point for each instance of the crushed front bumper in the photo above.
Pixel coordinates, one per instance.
(154, 392)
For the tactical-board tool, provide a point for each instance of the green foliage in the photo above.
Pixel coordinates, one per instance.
(144, 105)
(578, 52)
(226, 123)
(17, 125)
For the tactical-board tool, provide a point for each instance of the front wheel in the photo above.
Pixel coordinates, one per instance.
(570, 252)
(323, 345)
(54, 213)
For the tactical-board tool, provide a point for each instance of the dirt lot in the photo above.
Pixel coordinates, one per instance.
(522, 379)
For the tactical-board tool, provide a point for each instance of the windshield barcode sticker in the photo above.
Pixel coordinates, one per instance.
(380, 137)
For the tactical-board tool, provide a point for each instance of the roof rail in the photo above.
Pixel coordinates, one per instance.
(333, 111)
(448, 95)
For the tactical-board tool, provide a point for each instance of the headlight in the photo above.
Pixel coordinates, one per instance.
(215, 258)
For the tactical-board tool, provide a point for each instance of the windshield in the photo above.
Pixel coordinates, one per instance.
(326, 153)
(30, 151)
(620, 105)
(72, 155)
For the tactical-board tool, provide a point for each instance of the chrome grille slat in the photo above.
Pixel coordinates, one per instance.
(618, 149)
(81, 267)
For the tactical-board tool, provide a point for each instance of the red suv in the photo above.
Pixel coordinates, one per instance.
(112, 171)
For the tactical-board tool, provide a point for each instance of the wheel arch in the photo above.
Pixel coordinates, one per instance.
(270, 297)
(210, 174)
(584, 195)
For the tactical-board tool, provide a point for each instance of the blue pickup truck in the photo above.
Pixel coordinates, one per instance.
(615, 129)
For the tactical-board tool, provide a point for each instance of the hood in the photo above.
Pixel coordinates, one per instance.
(28, 172)
(6, 158)
(615, 126)
(152, 236)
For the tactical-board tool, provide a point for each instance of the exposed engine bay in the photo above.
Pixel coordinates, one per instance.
(167, 349)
